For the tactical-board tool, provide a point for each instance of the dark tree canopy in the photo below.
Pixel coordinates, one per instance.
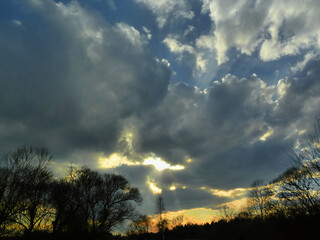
(86, 204)
(93, 203)
(25, 186)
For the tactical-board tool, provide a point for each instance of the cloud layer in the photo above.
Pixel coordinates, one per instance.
(70, 78)
(276, 28)
(266, 30)
(94, 93)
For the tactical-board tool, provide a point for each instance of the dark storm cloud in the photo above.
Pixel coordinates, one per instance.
(300, 103)
(135, 174)
(228, 113)
(240, 166)
(68, 79)
(166, 128)
(191, 198)
(237, 131)
(188, 198)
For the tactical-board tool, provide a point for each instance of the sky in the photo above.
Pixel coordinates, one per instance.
(191, 99)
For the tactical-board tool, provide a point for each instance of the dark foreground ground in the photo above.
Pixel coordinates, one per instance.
(302, 227)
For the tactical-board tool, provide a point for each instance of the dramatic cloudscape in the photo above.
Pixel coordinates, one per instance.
(191, 99)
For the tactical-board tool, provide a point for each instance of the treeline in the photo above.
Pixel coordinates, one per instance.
(296, 191)
(83, 205)
(86, 204)
(288, 207)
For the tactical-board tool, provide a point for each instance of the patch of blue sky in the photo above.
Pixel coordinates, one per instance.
(24, 17)
(11, 11)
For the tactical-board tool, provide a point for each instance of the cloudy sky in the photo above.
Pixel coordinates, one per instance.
(193, 99)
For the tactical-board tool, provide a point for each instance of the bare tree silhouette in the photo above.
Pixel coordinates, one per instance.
(259, 201)
(95, 203)
(160, 210)
(25, 188)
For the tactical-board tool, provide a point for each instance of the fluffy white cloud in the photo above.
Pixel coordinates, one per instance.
(147, 32)
(166, 9)
(136, 39)
(180, 49)
(176, 47)
(275, 28)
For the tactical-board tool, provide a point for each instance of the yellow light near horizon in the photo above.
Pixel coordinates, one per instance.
(229, 193)
(195, 215)
(172, 188)
(236, 205)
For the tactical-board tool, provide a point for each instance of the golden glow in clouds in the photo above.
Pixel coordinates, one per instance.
(266, 135)
(114, 160)
(229, 193)
(153, 187)
(172, 188)
(161, 165)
